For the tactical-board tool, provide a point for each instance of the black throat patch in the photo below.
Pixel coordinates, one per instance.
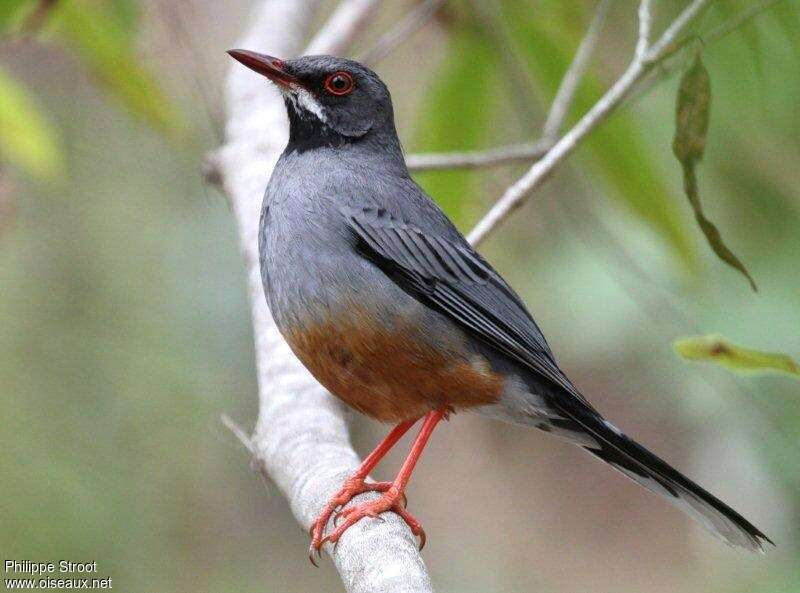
(307, 131)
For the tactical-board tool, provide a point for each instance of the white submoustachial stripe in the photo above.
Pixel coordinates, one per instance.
(305, 101)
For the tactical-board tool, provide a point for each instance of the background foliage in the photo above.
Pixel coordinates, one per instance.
(125, 328)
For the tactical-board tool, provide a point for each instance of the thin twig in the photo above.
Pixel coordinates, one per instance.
(675, 61)
(478, 158)
(572, 77)
(645, 23)
(663, 46)
(517, 193)
(417, 18)
(239, 433)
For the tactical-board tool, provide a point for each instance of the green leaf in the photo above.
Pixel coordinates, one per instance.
(787, 16)
(104, 44)
(11, 14)
(27, 139)
(714, 348)
(691, 127)
(451, 122)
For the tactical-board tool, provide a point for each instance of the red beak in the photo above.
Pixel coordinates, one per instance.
(272, 68)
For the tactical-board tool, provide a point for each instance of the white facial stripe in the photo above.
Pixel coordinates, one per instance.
(304, 100)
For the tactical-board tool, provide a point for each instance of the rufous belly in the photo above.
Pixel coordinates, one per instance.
(392, 372)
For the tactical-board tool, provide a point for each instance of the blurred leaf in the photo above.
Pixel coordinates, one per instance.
(714, 348)
(617, 147)
(10, 14)
(787, 16)
(99, 38)
(731, 12)
(456, 116)
(26, 137)
(126, 13)
(691, 126)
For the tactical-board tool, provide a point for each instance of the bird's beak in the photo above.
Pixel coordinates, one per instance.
(272, 68)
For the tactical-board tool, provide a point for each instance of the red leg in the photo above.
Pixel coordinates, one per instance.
(392, 496)
(355, 485)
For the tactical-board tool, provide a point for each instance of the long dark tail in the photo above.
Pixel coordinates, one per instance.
(605, 441)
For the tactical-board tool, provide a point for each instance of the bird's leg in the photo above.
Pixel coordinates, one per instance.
(355, 485)
(392, 496)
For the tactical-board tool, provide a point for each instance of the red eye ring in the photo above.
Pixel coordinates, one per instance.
(340, 83)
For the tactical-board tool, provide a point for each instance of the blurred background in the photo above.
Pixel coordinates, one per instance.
(124, 324)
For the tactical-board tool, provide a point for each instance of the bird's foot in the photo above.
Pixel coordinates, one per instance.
(391, 500)
(352, 487)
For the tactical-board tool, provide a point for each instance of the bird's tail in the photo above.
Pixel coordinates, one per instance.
(645, 468)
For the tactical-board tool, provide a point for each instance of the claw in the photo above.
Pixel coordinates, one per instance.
(345, 517)
(311, 552)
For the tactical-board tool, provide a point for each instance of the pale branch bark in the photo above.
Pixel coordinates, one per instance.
(671, 36)
(473, 159)
(641, 64)
(645, 23)
(572, 77)
(414, 20)
(301, 439)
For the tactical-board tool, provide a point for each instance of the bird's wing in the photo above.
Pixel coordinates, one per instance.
(444, 272)
(447, 274)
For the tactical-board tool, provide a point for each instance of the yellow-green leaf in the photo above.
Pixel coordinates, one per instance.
(715, 349)
(692, 110)
(11, 13)
(27, 139)
(104, 45)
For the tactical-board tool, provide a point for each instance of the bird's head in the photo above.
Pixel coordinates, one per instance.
(329, 100)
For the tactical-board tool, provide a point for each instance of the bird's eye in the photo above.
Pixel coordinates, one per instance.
(340, 83)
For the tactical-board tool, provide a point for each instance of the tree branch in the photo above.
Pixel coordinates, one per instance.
(645, 22)
(301, 439)
(673, 62)
(473, 159)
(641, 64)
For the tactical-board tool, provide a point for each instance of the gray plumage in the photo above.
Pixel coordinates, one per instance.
(345, 228)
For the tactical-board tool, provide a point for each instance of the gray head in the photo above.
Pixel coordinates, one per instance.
(330, 101)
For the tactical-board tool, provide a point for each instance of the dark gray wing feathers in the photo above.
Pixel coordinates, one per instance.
(453, 278)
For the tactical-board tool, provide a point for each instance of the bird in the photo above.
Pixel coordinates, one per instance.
(390, 308)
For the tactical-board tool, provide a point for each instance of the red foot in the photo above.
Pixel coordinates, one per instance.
(352, 487)
(391, 500)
